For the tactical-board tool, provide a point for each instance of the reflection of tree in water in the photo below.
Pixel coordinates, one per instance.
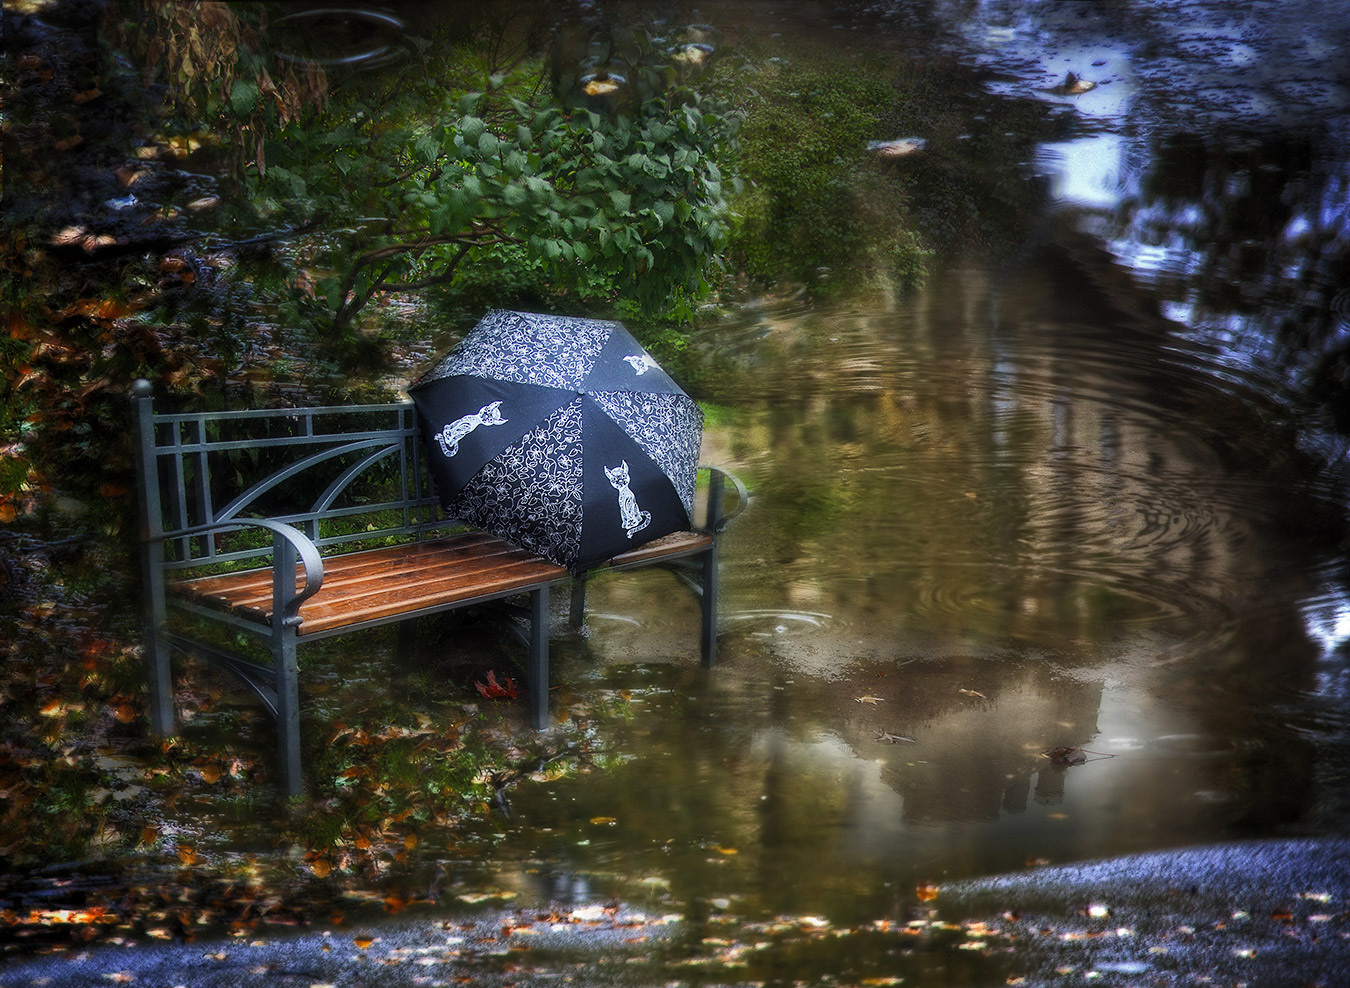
(1254, 228)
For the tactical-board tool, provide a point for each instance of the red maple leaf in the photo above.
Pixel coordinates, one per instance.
(494, 690)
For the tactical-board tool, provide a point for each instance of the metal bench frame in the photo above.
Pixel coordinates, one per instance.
(181, 524)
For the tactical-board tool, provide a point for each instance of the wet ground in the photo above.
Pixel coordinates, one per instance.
(1254, 914)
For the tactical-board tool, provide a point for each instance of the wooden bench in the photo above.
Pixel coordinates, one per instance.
(298, 524)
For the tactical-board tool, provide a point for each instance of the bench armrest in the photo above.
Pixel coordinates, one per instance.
(718, 478)
(288, 542)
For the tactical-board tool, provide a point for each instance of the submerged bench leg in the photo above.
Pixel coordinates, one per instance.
(708, 607)
(537, 660)
(576, 612)
(407, 641)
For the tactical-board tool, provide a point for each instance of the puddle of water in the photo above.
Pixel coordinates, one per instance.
(978, 532)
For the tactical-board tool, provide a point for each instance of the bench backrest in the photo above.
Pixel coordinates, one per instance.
(343, 475)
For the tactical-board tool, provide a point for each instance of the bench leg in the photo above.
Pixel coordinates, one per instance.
(407, 641)
(287, 670)
(576, 612)
(537, 660)
(708, 607)
(158, 671)
(160, 677)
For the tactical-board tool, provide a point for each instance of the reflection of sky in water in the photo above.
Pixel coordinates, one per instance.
(1261, 71)
(1086, 172)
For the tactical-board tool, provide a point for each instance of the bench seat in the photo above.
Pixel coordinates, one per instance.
(363, 589)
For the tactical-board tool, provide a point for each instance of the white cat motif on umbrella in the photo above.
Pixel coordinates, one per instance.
(450, 436)
(633, 518)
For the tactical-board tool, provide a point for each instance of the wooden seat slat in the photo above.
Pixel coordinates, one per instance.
(393, 580)
(385, 582)
(666, 545)
(239, 585)
(320, 615)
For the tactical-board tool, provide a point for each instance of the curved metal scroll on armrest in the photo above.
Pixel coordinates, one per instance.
(304, 548)
(718, 477)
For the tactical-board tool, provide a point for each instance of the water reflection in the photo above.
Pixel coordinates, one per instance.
(1014, 515)
(1211, 161)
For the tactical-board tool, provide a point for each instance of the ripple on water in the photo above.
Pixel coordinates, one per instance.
(771, 623)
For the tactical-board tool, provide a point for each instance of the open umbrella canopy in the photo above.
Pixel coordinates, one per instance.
(560, 434)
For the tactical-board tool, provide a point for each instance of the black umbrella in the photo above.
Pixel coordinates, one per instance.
(561, 435)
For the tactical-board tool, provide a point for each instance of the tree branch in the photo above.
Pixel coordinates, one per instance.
(348, 307)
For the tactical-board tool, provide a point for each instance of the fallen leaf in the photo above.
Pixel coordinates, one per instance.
(1072, 86)
(69, 235)
(894, 738)
(494, 690)
(899, 148)
(603, 820)
(1066, 756)
(869, 699)
(974, 693)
